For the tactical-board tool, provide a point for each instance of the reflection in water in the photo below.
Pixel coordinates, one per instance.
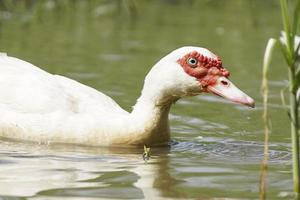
(56, 171)
(62, 171)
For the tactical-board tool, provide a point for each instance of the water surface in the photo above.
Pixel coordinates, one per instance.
(216, 146)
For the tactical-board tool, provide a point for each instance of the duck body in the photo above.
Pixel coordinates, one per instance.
(40, 107)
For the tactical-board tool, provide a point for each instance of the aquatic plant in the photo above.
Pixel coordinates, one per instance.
(265, 91)
(289, 46)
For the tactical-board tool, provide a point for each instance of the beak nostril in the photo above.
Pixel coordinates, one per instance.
(224, 82)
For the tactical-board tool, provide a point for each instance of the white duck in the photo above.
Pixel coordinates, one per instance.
(38, 106)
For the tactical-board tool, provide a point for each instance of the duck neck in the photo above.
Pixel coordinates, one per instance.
(150, 114)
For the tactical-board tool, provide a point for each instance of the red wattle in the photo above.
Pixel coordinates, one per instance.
(207, 69)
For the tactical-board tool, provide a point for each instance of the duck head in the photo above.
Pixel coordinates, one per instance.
(189, 71)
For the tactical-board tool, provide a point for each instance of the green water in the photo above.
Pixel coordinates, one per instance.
(111, 45)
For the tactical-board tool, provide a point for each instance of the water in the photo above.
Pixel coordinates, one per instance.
(216, 146)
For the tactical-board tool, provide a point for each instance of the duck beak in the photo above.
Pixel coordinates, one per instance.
(228, 90)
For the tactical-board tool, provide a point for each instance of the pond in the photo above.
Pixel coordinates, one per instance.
(216, 146)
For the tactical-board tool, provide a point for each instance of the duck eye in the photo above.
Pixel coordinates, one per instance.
(192, 62)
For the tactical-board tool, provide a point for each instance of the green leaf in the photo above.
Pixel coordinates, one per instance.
(298, 76)
(296, 82)
(296, 17)
(287, 27)
(285, 53)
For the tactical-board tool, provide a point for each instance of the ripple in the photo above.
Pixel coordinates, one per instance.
(82, 75)
(6, 161)
(281, 84)
(197, 123)
(104, 192)
(232, 150)
(113, 57)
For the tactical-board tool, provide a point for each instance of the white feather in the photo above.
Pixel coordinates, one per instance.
(38, 106)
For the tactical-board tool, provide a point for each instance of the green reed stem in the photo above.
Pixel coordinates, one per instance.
(265, 91)
(294, 129)
(287, 29)
(291, 55)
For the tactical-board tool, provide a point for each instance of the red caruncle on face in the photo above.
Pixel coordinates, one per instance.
(205, 69)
